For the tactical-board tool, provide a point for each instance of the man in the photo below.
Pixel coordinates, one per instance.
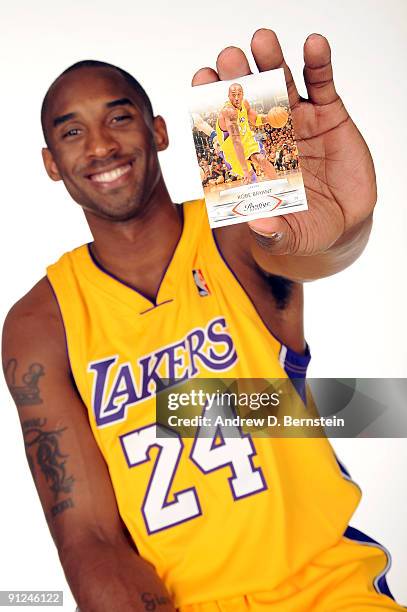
(236, 139)
(147, 522)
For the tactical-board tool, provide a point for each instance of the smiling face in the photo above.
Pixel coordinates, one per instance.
(236, 95)
(102, 143)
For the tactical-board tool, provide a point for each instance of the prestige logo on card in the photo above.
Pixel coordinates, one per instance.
(257, 204)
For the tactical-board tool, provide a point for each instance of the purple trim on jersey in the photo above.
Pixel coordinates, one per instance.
(65, 336)
(296, 361)
(156, 306)
(295, 366)
(218, 434)
(306, 358)
(380, 582)
(122, 282)
(299, 385)
(212, 136)
(343, 469)
(116, 278)
(228, 166)
(148, 458)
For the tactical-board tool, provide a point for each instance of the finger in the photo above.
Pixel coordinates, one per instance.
(232, 63)
(268, 55)
(204, 76)
(318, 73)
(274, 234)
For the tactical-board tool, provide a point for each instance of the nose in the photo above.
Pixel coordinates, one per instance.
(101, 143)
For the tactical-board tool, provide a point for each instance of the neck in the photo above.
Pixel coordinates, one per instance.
(137, 251)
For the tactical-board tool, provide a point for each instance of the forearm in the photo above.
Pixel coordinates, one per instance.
(311, 267)
(104, 578)
(257, 119)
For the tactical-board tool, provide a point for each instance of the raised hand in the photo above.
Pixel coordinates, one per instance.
(335, 161)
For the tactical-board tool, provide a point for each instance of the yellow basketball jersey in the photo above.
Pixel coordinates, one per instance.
(217, 520)
(249, 143)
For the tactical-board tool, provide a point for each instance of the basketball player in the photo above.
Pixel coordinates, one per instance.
(145, 522)
(236, 139)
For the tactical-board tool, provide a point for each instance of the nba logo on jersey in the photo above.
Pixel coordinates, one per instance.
(200, 283)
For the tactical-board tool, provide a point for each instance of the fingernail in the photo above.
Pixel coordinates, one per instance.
(313, 34)
(276, 236)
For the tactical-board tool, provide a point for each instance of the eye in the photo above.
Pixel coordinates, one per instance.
(71, 133)
(121, 118)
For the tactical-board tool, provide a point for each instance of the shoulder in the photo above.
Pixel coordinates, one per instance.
(34, 324)
(246, 105)
(234, 244)
(229, 112)
(37, 305)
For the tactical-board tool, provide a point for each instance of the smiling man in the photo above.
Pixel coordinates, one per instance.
(144, 521)
(94, 181)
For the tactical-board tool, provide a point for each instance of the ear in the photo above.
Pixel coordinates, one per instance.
(160, 133)
(50, 165)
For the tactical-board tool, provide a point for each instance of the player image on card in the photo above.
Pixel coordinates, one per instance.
(246, 149)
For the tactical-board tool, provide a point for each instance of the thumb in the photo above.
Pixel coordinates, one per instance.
(274, 235)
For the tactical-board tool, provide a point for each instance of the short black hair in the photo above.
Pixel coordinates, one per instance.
(134, 84)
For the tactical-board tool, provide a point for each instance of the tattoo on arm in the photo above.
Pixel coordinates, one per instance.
(27, 392)
(151, 601)
(43, 452)
(42, 446)
(234, 129)
(62, 506)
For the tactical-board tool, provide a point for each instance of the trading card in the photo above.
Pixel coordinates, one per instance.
(246, 149)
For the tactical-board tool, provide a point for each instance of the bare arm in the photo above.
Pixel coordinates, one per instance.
(103, 570)
(254, 116)
(251, 113)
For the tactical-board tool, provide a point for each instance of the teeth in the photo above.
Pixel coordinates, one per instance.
(112, 175)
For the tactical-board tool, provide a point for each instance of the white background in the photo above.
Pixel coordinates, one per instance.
(355, 322)
(256, 88)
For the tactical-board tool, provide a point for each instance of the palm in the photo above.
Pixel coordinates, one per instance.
(335, 161)
(337, 170)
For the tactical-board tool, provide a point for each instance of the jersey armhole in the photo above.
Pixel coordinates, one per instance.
(290, 360)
